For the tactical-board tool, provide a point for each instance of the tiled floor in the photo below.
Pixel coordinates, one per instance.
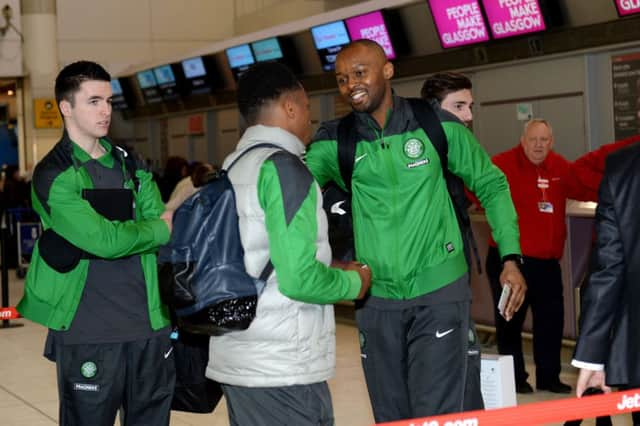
(28, 395)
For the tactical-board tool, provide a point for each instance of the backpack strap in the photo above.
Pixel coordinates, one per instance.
(266, 272)
(347, 148)
(430, 123)
(268, 269)
(246, 151)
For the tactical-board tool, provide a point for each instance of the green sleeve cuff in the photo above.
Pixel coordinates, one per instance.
(506, 248)
(161, 231)
(354, 285)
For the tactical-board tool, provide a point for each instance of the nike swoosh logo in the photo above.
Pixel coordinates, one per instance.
(360, 157)
(336, 209)
(444, 333)
(166, 354)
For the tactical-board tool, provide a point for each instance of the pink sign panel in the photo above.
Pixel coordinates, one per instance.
(459, 22)
(372, 27)
(628, 7)
(509, 18)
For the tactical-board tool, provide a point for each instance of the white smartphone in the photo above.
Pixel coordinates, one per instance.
(504, 298)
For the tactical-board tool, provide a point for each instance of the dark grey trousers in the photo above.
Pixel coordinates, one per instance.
(300, 405)
(472, 390)
(94, 381)
(415, 359)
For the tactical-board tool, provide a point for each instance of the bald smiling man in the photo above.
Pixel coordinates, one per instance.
(414, 327)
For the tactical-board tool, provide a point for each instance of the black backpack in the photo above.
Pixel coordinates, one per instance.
(337, 203)
(202, 274)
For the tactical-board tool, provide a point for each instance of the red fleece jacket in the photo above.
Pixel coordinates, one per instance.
(537, 188)
(589, 168)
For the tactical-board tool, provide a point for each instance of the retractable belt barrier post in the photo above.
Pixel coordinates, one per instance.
(537, 413)
(5, 267)
(6, 312)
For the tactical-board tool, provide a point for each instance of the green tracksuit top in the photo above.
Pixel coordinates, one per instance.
(404, 221)
(298, 241)
(51, 298)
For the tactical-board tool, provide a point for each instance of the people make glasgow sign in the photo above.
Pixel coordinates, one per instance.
(509, 18)
(459, 22)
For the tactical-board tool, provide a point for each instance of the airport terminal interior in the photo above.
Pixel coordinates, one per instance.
(174, 68)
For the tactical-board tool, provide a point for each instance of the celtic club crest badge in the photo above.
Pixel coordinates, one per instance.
(89, 369)
(413, 148)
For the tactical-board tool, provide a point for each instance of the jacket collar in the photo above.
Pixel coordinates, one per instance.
(398, 119)
(273, 135)
(80, 156)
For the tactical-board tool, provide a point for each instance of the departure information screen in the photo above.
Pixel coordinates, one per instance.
(149, 86)
(193, 67)
(118, 99)
(166, 82)
(267, 50)
(330, 35)
(240, 56)
(329, 39)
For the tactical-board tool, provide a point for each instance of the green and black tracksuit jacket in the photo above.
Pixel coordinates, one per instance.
(405, 225)
(51, 297)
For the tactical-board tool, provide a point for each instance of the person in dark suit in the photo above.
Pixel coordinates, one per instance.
(609, 338)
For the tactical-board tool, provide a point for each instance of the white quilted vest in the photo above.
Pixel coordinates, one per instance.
(289, 342)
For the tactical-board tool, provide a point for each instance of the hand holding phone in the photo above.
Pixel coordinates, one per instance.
(504, 298)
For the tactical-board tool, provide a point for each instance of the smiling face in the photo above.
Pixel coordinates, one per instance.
(363, 74)
(537, 141)
(88, 116)
(460, 104)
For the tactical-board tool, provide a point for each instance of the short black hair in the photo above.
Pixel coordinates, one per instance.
(262, 83)
(439, 85)
(368, 43)
(73, 75)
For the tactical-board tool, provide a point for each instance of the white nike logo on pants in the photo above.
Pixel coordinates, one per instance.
(444, 333)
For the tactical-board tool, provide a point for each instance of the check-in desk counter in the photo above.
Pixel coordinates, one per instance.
(573, 263)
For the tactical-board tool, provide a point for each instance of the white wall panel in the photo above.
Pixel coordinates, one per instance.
(196, 20)
(114, 55)
(103, 20)
(540, 78)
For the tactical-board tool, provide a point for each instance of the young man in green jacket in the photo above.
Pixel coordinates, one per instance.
(414, 327)
(93, 276)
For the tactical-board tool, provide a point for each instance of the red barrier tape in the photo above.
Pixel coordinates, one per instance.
(537, 413)
(9, 313)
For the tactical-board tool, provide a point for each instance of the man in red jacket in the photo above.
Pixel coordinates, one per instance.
(589, 168)
(540, 182)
